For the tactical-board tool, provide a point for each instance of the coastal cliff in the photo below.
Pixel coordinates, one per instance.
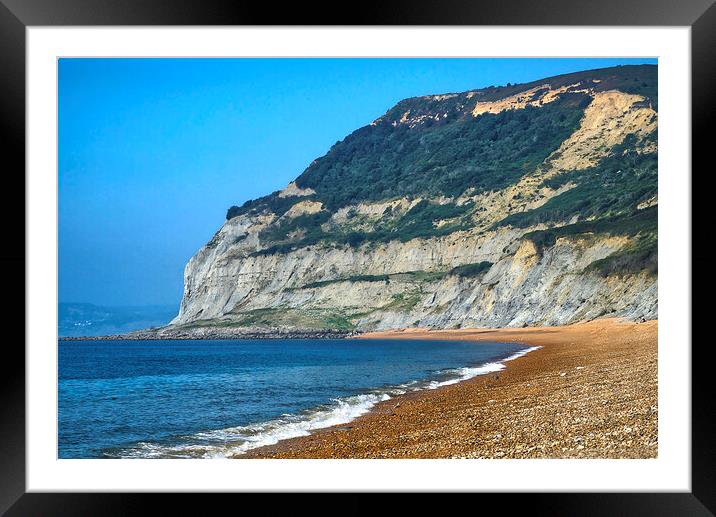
(519, 205)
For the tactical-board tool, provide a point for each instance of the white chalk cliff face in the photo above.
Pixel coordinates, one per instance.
(529, 251)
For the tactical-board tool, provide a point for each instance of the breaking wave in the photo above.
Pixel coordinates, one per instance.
(234, 441)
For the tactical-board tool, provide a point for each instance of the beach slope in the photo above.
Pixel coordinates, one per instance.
(590, 391)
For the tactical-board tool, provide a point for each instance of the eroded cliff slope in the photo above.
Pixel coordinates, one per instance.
(507, 206)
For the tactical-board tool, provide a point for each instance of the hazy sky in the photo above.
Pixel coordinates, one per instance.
(152, 152)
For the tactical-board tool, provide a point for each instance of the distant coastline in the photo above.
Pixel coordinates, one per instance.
(89, 319)
(217, 333)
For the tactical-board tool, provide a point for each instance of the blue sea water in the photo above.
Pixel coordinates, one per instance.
(205, 399)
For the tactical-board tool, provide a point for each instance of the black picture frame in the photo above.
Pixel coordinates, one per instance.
(17, 15)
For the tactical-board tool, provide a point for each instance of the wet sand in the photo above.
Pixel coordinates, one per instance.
(589, 392)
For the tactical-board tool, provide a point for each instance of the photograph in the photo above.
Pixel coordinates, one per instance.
(406, 248)
(358, 258)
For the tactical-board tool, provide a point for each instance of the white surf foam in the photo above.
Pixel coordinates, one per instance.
(463, 374)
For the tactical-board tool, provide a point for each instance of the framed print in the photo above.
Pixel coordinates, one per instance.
(420, 252)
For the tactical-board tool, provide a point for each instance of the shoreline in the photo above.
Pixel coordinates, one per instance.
(218, 334)
(588, 391)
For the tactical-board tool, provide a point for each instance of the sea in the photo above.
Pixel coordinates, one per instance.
(219, 399)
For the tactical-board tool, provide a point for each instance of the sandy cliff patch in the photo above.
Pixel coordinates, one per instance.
(536, 96)
(303, 208)
(523, 261)
(608, 119)
(294, 190)
(373, 211)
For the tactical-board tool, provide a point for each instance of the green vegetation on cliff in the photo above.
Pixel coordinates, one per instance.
(639, 255)
(616, 186)
(420, 221)
(465, 270)
(448, 150)
(439, 148)
(487, 152)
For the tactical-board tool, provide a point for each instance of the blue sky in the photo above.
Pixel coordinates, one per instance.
(152, 152)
